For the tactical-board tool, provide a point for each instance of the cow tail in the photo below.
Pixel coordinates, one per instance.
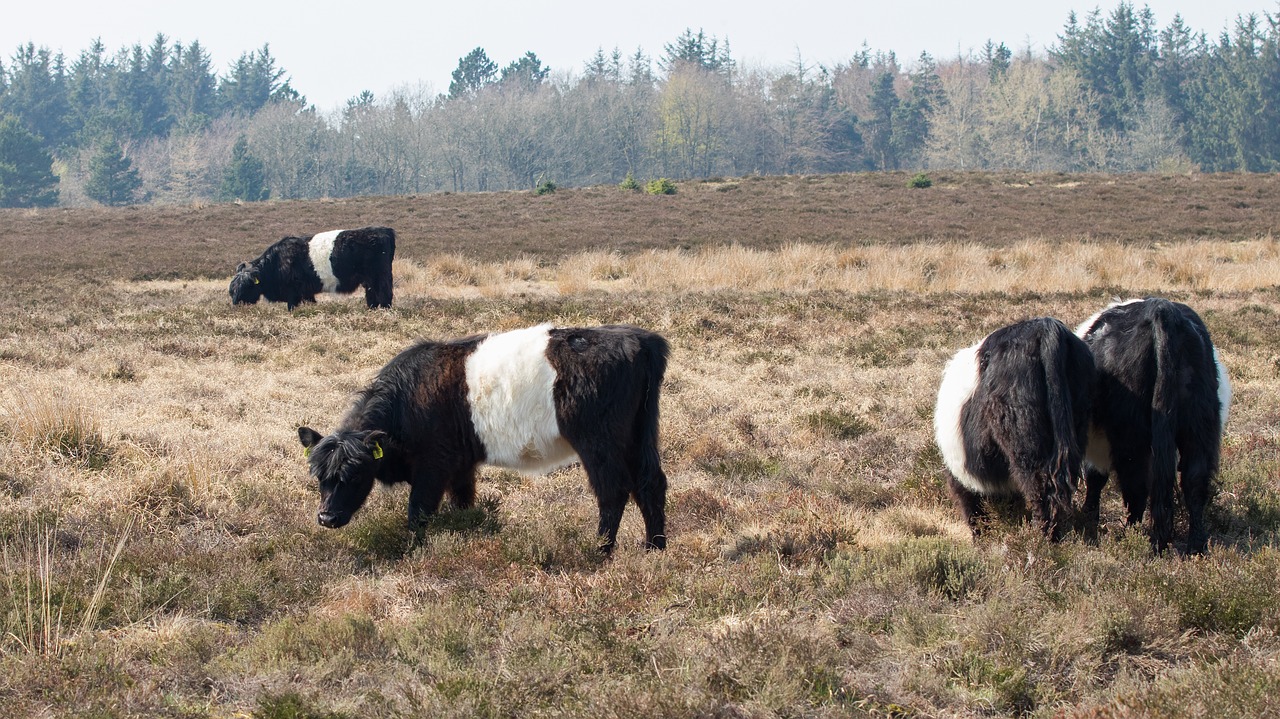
(1164, 404)
(1054, 360)
(655, 351)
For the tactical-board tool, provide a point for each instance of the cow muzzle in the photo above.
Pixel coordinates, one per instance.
(332, 520)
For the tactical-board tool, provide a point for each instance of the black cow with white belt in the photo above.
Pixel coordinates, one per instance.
(1159, 411)
(1012, 418)
(296, 269)
(532, 399)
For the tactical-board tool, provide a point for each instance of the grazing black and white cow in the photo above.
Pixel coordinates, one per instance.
(296, 269)
(533, 400)
(1012, 417)
(1160, 406)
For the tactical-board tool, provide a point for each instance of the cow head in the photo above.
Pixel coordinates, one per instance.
(246, 286)
(345, 464)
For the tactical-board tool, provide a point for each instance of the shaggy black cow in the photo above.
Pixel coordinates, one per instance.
(296, 269)
(1012, 417)
(1160, 406)
(533, 400)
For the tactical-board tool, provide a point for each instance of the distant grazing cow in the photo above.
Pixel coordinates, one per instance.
(296, 269)
(1012, 417)
(533, 400)
(1160, 406)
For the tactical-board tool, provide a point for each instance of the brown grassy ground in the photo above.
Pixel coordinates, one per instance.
(760, 212)
(161, 557)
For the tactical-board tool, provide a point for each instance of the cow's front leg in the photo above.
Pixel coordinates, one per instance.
(425, 494)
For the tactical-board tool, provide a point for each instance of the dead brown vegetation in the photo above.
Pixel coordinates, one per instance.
(760, 212)
(161, 556)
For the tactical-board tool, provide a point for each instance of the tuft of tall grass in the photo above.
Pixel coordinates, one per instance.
(44, 589)
(68, 431)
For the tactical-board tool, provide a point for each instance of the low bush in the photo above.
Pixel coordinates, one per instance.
(660, 186)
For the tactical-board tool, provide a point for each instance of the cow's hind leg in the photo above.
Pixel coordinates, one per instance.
(1199, 453)
(650, 494)
(1095, 480)
(1197, 475)
(969, 502)
(609, 481)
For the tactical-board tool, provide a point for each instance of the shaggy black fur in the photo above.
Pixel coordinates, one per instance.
(285, 273)
(416, 414)
(1157, 404)
(606, 393)
(1025, 427)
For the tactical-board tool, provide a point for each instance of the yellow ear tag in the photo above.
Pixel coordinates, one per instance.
(377, 451)
(306, 452)
(255, 280)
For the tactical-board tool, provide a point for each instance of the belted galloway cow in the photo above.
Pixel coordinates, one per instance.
(1159, 411)
(532, 399)
(1012, 419)
(296, 269)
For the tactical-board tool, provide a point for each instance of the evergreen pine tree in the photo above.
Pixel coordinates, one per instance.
(911, 118)
(473, 72)
(26, 169)
(253, 82)
(878, 127)
(526, 73)
(37, 94)
(697, 50)
(244, 179)
(997, 59)
(112, 178)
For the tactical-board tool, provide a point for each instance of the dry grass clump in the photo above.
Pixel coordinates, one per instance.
(59, 428)
(455, 275)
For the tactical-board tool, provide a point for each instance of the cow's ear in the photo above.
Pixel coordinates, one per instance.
(374, 441)
(308, 437)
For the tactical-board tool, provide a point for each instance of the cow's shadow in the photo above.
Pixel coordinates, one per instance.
(1239, 524)
(1242, 525)
(381, 531)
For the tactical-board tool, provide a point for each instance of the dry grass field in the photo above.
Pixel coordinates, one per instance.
(159, 554)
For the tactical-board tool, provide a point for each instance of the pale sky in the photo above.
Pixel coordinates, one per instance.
(334, 50)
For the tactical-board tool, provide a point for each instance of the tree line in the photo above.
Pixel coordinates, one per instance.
(1116, 92)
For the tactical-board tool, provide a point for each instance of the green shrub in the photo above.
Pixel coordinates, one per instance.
(290, 705)
(381, 534)
(660, 186)
(629, 183)
(920, 181)
(933, 564)
(545, 187)
(743, 466)
(839, 424)
(1226, 592)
